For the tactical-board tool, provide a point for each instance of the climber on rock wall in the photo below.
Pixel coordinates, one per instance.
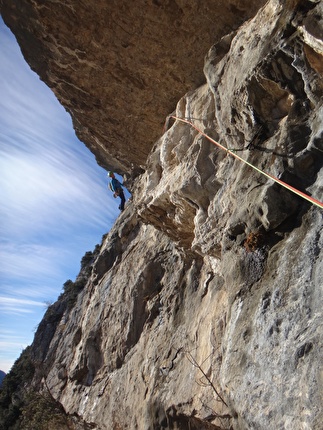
(116, 187)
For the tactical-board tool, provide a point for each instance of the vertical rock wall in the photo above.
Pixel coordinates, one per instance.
(204, 307)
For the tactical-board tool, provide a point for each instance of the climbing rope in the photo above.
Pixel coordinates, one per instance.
(278, 181)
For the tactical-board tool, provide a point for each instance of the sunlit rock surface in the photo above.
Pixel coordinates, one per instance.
(203, 309)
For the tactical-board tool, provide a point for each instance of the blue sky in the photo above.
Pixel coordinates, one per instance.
(55, 204)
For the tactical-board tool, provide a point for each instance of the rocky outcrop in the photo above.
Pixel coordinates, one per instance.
(203, 309)
(119, 67)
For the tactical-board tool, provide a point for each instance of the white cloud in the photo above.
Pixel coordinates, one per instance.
(10, 343)
(37, 192)
(9, 301)
(6, 364)
(48, 179)
(27, 261)
(12, 310)
(55, 204)
(10, 305)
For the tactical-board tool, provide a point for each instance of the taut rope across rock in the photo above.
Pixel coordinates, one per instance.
(268, 175)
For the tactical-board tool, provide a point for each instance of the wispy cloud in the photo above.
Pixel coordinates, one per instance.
(24, 262)
(10, 345)
(10, 302)
(39, 190)
(55, 204)
(47, 176)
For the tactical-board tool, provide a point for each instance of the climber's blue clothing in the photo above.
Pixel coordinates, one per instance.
(116, 188)
(115, 185)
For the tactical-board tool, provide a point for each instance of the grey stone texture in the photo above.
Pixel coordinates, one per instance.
(203, 309)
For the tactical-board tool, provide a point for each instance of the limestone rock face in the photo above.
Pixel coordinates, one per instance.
(119, 67)
(203, 309)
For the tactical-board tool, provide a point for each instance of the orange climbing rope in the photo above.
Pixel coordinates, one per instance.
(278, 181)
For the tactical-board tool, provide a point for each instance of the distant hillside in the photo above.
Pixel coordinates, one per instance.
(2, 375)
